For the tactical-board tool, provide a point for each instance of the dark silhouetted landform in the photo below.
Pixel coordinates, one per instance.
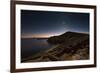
(67, 46)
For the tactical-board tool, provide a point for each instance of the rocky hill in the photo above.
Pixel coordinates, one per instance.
(68, 46)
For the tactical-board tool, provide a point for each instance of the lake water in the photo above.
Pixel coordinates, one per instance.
(30, 47)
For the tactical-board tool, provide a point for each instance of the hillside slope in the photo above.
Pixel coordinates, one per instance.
(68, 46)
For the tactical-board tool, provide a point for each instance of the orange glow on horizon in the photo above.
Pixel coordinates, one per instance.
(36, 36)
(40, 35)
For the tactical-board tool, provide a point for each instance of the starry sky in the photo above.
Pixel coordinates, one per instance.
(43, 24)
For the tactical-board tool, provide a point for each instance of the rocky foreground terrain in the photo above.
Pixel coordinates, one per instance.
(68, 46)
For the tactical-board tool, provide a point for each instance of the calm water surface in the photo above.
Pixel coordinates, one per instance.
(30, 47)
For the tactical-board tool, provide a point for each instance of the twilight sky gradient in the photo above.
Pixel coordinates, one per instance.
(46, 23)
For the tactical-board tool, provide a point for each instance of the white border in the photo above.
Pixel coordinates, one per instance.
(20, 65)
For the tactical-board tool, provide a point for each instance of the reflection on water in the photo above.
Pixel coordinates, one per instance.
(30, 47)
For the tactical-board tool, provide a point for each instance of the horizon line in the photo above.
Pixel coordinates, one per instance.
(23, 37)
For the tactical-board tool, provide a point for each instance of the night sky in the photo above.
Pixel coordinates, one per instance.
(49, 23)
